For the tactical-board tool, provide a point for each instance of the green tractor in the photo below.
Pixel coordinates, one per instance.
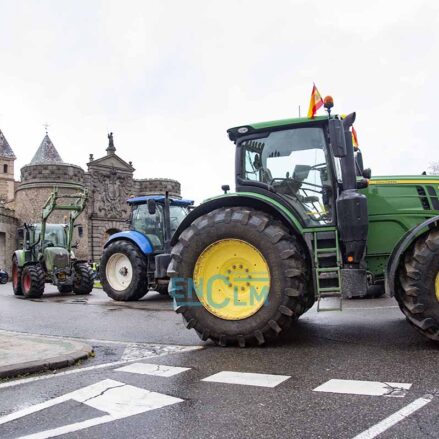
(46, 252)
(306, 224)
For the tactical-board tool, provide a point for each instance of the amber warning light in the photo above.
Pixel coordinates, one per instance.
(328, 102)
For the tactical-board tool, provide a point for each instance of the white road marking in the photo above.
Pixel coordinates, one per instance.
(372, 388)
(117, 399)
(247, 379)
(152, 354)
(152, 369)
(392, 420)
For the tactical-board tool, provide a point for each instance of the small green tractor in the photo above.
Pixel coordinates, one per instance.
(306, 224)
(46, 253)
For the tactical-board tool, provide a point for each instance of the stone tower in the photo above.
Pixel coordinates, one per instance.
(7, 159)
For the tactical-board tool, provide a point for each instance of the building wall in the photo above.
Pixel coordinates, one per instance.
(8, 230)
(110, 183)
(155, 186)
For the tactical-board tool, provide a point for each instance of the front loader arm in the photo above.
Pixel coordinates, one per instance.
(75, 208)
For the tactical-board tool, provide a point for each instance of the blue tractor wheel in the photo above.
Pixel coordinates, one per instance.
(123, 271)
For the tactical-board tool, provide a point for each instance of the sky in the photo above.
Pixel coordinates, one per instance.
(169, 77)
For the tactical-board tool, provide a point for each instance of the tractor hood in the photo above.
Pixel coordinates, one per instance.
(56, 257)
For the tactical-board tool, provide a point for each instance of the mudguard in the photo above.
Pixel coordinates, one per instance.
(400, 248)
(255, 201)
(21, 257)
(137, 238)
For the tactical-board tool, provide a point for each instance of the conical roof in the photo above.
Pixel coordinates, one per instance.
(46, 153)
(5, 149)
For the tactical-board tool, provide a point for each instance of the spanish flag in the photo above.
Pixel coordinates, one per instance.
(315, 103)
(354, 138)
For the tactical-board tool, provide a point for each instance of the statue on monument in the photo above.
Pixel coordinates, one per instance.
(111, 148)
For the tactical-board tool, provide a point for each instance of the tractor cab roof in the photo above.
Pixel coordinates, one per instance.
(245, 130)
(50, 226)
(160, 199)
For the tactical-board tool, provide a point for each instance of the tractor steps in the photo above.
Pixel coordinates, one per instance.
(327, 263)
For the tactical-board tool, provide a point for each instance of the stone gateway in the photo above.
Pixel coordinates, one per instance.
(109, 180)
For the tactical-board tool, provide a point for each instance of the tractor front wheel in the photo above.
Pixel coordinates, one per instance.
(239, 277)
(123, 270)
(84, 279)
(32, 281)
(16, 277)
(417, 290)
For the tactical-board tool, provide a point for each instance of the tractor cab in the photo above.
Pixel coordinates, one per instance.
(294, 164)
(55, 236)
(149, 217)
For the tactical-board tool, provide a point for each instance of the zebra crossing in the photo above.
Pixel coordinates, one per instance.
(117, 399)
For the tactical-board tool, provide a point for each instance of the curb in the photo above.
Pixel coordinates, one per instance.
(81, 352)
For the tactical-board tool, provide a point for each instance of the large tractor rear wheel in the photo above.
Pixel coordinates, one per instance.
(123, 271)
(417, 289)
(32, 281)
(84, 279)
(16, 277)
(250, 277)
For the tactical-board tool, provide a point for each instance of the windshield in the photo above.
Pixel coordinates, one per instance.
(294, 163)
(177, 213)
(152, 225)
(55, 235)
(149, 225)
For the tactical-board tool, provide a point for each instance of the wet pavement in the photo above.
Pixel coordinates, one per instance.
(151, 377)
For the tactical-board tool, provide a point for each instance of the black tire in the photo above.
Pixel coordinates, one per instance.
(289, 295)
(63, 289)
(32, 281)
(162, 289)
(138, 285)
(16, 277)
(83, 282)
(415, 285)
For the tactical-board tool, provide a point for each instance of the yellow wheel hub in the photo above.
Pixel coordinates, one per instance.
(436, 287)
(231, 279)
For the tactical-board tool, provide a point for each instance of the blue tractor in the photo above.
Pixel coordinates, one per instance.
(136, 261)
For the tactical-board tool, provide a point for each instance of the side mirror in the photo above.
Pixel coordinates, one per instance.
(20, 234)
(80, 231)
(152, 206)
(337, 138)
(367, 173)
(225, 188)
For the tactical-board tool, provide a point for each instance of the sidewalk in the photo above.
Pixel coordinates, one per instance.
(21, 353)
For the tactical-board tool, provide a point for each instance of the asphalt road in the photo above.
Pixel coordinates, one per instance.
(369, 341)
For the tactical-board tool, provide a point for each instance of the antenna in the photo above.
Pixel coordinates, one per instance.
(299, 110)
(46, 127)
